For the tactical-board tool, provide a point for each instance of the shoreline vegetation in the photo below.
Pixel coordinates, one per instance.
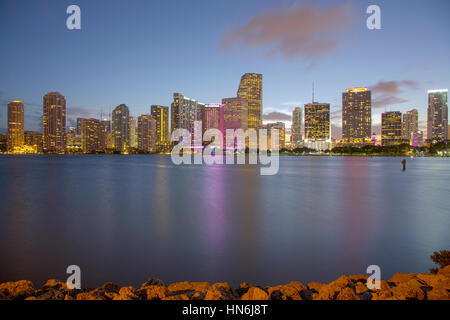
(414, 286)
(403, 150)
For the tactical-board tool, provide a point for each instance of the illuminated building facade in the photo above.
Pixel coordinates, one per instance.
(317, 122)
(437, 124)
(133, 133)
(234, 116)
(296, 133)
(54, 123)
(33, 139)
(212, 117)
(183, 113)
(105, 135)
(146, 133)
(410, 125)
(16, 137)
(121, 128)
(417, 139)
(161, 116)
(250, 88)
(391, 128)
(90, 135)
(356, 116)
(280, 126)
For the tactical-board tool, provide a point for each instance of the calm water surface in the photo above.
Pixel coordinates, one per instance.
(127, 218)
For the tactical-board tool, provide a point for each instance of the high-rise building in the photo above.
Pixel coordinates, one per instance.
(356, 116)
(235, 116)
(121, 128)
(437, 125)
(212, 117)
(105, 135)
(79, 122)
(183, 113)
(90, 135)
(161, 116)
(133, 133)
(317, 122)
(391, 128)
(296, 133)
(250, 88)
(410, 125)
(280, 126)
(54, 123)
(15, 125)
(147, 133)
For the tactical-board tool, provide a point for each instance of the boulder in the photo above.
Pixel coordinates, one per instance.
(56, 285)
(347, 294)
(152, 282)
(126, 293)
(409, 290)
(289, 291)
(445, 271)
(16, 290)
(156, 292)
(180, 287)
(255, 293)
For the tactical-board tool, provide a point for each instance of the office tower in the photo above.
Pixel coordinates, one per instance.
(200, 111)
(54, 123)
(33, 139)
(410, 125)
(212, 117)
(146, 133)
(161, 116)
(133, 133)
(90, 135)
(391, 128)
(280, 126)
(296, 133)
(235, 116)
(417, 139)
(317, 122)
(121, 128)
(437, 124)
(250, 88)
(183, 112)
(15, 125)
(105, 135)
(356, 116)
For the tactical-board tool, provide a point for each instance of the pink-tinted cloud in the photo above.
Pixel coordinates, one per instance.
(305, 31)
(386, 93)
(276, 116)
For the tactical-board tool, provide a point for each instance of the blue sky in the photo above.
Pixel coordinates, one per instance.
(139, 52)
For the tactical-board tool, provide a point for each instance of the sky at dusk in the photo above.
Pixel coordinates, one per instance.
(140, 52)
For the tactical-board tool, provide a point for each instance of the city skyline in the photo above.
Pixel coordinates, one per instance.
(397, 78)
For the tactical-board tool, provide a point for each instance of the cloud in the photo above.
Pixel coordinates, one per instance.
(302, 31)
(276, 116)
(386, 93)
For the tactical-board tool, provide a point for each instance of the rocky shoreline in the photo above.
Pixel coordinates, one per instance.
(414, 286)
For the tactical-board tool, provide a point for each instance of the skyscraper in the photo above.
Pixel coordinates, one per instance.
(317, 122)
(297, 135)
(161, 116)
(437, 124)
(15, 125)
(250, 88)
(146, 133)
(90, 135)
(105, 135)
(410, 125)
(356, 116)
(183, 113)
(391, 128)
(133, 133)
(235, 116)
(54, 123)
(212, 117)
(121, 128)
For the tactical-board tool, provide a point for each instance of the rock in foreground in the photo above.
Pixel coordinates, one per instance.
(401, 286)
